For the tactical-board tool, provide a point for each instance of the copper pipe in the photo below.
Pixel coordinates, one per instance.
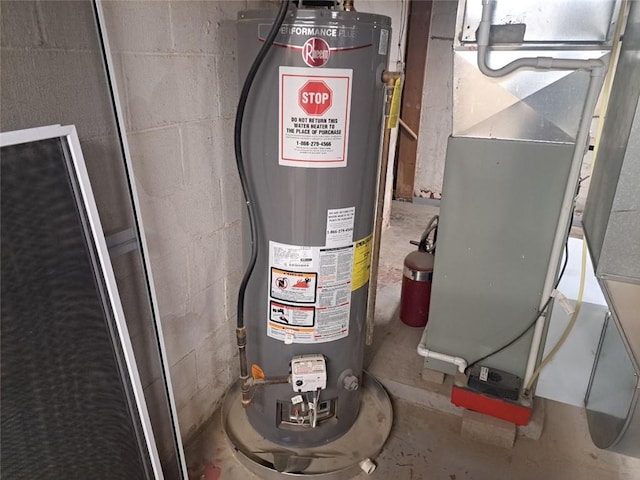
(247, 386)
(256, 382)
(247, 383)
(389, 79)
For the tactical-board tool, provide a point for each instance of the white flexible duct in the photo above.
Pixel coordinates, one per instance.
(597, 69)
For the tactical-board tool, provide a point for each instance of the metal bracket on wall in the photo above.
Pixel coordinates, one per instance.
(122, 242)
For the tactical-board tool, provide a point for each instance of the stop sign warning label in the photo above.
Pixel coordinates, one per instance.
(314, 115)
(315, 97)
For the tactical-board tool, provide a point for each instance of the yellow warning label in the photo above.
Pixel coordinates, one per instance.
(361, 262)
(394, 113)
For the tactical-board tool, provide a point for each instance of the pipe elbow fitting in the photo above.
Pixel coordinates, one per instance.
(459, 362)
(367, 466)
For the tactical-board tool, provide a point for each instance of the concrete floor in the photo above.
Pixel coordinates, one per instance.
(425, 442)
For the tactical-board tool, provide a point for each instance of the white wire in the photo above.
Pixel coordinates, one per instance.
(315, 409)
(403, 21)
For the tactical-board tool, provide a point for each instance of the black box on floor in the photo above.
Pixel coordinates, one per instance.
(496, 383)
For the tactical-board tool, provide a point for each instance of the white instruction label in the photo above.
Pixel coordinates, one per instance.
(384, 42)
(310, 292)
(340, 226)
(297, 315)
(314, 111)
(292, 256)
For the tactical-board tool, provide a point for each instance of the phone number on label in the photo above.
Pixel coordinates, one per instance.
(304, 143)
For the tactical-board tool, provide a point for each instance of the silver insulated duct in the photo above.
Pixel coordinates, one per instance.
(310, 140)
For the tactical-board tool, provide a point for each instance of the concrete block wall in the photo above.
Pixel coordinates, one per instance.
(177, 78)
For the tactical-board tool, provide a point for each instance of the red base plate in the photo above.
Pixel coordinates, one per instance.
(511, 412)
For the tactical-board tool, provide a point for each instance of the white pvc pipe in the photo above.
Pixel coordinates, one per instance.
(459, 362)
(597, 69)
(536, 63)
(367, 466)
(595, 83)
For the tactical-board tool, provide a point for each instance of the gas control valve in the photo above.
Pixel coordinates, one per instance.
(308, 373)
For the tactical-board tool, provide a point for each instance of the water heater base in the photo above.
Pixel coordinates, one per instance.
(341, 459)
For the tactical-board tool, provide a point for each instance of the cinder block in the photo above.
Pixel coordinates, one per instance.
(200, 160)
(205, 26)
(229, 86)
(19, 25)
(180, 333)
(171, 279)
(224, 153)
(68, 25)
(205, 258)
(234, 246)
(164, 233)
(78, 96)
(207, 362)
(432, 376)
(138, 26)
(203, 404)
(201, 209)
(213, 355)
(184, 379)
(207, 150)
(208, 306)
(168, 89)
(232, 199)
(157, 161)
(231, 286)
(487, 429)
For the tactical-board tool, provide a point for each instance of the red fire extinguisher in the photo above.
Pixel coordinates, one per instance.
(417, 278)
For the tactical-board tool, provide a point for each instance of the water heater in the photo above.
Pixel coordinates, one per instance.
(310, 139)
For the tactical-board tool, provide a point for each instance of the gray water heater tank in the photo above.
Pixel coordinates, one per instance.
(311, 140)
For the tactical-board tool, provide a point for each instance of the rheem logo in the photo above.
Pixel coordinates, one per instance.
(315, 52)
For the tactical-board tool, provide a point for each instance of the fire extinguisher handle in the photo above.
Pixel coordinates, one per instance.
(425, 245)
